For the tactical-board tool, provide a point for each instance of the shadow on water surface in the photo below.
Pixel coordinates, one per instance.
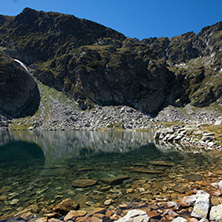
(21, 154)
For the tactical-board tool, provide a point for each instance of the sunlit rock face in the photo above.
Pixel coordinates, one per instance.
(19, 94)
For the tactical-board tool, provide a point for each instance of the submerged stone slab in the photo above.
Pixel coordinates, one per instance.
(65, 206)
(202, 205)
(194, 177)
(115, 180)
(216, 213)
(74, 214)
(82, 183)
(137, 170)
(162, 163)
(135, 216)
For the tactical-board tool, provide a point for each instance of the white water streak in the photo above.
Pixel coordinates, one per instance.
(22, 65)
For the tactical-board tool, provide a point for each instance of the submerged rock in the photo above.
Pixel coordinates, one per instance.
(108, 202)
(194, 177)
(115, 180)
(162, 163)
(82, 183)
(74, 214)
(65, 206)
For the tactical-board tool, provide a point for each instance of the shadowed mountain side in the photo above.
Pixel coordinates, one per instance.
(19, 94)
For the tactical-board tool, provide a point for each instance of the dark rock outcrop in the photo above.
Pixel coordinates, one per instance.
(19, 95)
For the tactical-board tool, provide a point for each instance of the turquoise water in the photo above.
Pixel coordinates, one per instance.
(39, 168)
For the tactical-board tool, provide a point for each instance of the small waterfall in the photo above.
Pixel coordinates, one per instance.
(22, 65)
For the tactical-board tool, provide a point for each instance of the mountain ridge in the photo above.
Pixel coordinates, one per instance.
(93, 64)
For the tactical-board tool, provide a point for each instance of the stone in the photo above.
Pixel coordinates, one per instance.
(208, 137)
(220, 185)
(202, 205)
(3, 197)
(26, 216)
(14, 201)
(94, 219)
(203, 220)
(108, 202)
(115, 180)
(93, 210)
(130, 190)
(65, 206)
(89, 203)
(216, 213)
(52, 215)
(103, 189)
(171, 213)
(188, 201)
(141, 189)
(74, 213)
(162, 163)
(42, 219)
(193, 220)
(194, 177)
(82, 183)
(218, 122)
(138, 170)
(179, 219)
(54, 220)
(135, 216)
(172, 204)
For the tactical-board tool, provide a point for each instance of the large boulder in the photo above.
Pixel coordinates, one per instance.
(202, 205)
(19, 94)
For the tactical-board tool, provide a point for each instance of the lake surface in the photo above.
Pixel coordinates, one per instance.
(43, 168)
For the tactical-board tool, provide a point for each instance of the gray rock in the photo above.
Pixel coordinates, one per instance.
(179, 219)
(216, 213)
(203, 220)
(108, 202)
(208, 138)
(208, 134)
(202, 205)
(135, 216)
(189, 200)
(220, 185)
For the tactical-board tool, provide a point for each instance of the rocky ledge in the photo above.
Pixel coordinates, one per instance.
(189, 134)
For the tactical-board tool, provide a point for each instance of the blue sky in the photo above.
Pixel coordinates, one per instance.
(134, 18)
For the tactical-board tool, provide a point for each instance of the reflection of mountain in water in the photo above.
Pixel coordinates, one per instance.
(62, 145)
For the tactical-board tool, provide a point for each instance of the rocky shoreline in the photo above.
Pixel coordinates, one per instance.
(198, 206)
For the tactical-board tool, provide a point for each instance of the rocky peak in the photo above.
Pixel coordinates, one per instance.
(89, 61)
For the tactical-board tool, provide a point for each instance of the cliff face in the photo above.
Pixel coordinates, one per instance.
(90, 62)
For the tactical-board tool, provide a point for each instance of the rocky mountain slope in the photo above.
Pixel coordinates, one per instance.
(95, 65)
